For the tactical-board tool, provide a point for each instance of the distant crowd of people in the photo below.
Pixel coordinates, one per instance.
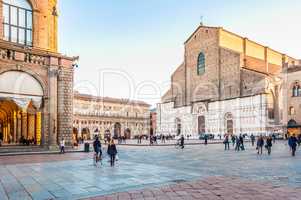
(262, 142)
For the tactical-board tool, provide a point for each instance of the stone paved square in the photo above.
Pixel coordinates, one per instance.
(73, 176)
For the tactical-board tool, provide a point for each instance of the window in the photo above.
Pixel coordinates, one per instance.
(201, 64)
(292, 110)
(296, 90)
(17, 21)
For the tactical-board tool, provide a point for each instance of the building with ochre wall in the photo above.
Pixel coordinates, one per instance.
(227, 84)
(106, 116)
(36, 82)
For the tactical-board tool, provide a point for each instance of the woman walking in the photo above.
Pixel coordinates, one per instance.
(269, 144)
(112, 151)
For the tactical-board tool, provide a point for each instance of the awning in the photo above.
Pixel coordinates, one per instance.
(293, 124)
(23, 101)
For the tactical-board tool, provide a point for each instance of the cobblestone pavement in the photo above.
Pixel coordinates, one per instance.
(73, 176)
(212, 188)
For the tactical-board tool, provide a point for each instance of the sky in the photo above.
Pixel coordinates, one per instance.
(130, 48)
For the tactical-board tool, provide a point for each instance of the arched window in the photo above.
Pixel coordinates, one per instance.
(296, 90)
(17, 21)
(201, 64)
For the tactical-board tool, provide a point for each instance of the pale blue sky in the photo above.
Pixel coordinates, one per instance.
(144, 38)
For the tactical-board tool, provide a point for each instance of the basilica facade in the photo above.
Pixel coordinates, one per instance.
(228, 84)
(36, 82)
(106, 116)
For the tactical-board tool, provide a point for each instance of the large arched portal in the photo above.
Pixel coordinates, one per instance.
(117, 130)
(20, 108)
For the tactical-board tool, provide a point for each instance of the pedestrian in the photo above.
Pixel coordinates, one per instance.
(233, 140)
(241, 142)
(151, 141)
(252, 139)
(97, 149)
(274, 137)
(112, 152)
(206, 139)
(292, 142)
(237, 147)
(182, 141)
(260, 143)
(269, 144)
(62, 146)
(226, 142)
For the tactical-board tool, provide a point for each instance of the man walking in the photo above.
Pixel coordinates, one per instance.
(292, 142)
(252, 139)
(260, 143)
(226, 142)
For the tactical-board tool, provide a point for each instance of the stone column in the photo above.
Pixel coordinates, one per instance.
(65, 100)
(19, 126)
(24, 124)
(53, 121)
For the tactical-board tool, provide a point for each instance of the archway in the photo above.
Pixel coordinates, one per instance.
(85, 134)
(117, 130)
(127, 133)
(20, 104)
(229, 124)
(201, 125)
(75, 136)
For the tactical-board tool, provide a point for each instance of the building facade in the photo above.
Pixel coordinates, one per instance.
(109, 116)
(36, 82)
(227, 84)
(292, 100)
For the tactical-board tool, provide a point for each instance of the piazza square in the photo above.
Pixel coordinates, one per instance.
(146, 100)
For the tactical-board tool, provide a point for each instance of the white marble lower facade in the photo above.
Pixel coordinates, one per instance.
(246, 115)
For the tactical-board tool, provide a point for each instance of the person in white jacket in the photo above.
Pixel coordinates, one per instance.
(62, 145)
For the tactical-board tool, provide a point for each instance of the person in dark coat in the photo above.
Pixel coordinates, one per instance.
(227, 142)
(206, 139)
(97, 149)
(112, 151)
(260, 143)
(233, 140)
(292, 142)
(182, 140)
(241, 141)
(253, 139)
(269, 144)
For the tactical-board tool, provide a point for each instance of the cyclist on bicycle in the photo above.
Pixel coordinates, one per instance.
(97, 149)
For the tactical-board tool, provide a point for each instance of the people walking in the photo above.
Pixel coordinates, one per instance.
(274, 137)
(97, 150)
(182, 141)
(112, 152)
(62, 146)
(252, 139)
(292, 142)
(206, 139)
(241, 142)
(226, 142)
(260, 143)
(269, 144)
(237, 147)
(233, 140)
